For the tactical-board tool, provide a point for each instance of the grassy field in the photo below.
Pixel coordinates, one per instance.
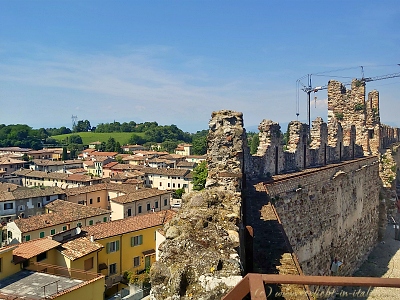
(89, 137)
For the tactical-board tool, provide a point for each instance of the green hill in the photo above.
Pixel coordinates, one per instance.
(90, 137)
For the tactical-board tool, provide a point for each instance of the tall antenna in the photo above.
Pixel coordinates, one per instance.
(74, 118)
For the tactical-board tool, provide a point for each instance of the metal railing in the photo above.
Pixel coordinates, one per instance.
(257, 284)
(63, 271)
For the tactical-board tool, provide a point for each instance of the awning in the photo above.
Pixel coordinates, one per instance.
(149, 252)
(103, 266)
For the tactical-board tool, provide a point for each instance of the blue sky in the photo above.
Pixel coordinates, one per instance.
(175, 62)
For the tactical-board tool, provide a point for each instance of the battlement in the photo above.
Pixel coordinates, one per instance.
(353, 130)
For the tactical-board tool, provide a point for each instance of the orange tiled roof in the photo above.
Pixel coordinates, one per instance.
(64, 212)
(118, 227)
(79, 247)
(100, 153)
(99, 187)
(32, 248)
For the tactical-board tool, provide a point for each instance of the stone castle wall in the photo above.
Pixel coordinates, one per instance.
(332, 212)
(353, 130)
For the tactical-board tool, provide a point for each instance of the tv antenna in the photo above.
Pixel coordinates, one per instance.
(74, 118)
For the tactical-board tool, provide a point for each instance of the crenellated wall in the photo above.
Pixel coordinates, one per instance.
(353, 130)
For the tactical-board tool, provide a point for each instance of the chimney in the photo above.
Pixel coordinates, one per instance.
(92, 238)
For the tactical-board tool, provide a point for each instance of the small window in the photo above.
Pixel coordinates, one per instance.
(173, 185)
(105, 219)
(139, 209)
(48, 197)
(8, 206)
(91, 201)
(112, 247)
(88, 264)
(165, 202)
(129, 212)
(156, 204)
(113, 269)
(41, 235)
(79, 224)
(169, 185)
(27, 238)
(148, 206)
(39, 204)
(64, 228)
(91, 222)
(136, 240)
(160, 183)
(136, 261)
(9, 234)
(53, 231)
(98, 199)
(41, 256)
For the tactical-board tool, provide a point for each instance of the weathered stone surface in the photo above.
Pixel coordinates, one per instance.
(199, 258)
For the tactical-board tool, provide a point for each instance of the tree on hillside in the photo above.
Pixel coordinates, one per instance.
(136, 139)
(200, 176)
(82, 126)
(74, 139)
(199, 142)
(169, 146)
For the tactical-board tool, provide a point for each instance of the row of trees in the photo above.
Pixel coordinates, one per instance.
(147, 134)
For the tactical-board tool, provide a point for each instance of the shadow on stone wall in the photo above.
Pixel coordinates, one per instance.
(271, 252)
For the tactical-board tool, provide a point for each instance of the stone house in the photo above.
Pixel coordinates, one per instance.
(17, 202)
(184, 149)
(169, 179)
(8, 165)
(98, 195)
(38, 178)
(138, 202)
(40, 154)
(46, 165)
(62, 215)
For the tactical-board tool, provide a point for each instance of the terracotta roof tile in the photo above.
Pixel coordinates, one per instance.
(32, 248)
(99, 187)
(118, 227)
(24, 193)
(99, 153)
(79, 247)
(64, 212)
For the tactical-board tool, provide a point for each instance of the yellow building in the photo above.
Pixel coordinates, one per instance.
(31, 270)
(7, 268)
(129, 244)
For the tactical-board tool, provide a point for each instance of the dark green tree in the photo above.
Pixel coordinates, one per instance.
(75, 139)
(200, 176)
(64, 155)
(136, 139)
(177, 194)
(110, 145)
(255, 141)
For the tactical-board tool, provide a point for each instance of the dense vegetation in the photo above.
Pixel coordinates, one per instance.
(111, 136)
